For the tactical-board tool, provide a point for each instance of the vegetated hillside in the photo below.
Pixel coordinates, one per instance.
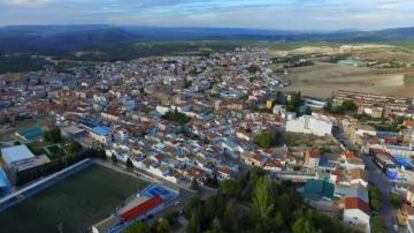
(58, 39)
(55, 42)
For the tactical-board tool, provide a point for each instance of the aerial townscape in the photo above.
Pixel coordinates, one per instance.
(182, 126)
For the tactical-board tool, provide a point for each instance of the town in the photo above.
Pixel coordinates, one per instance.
(186, 125)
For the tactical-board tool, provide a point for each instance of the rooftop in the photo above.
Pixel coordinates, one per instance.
(101, 130)
(316, 189)
(15, 154)
(356, 203)
(31, 133)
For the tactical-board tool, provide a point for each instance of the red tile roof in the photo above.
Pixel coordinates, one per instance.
(141, 209)
(356, 203)
(314, 153)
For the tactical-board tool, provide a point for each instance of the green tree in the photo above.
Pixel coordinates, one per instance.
(53, 135)
(395, 200)
(164, 226)
(303, 225)
(74, 147)
(348, 106)
(194, 184)
(268, 139)
(296, 99)
(138, 227)
(114, 158)
(129, 164)
(193, 203)
(231, 188)
(262, 203)
(277, 221)
(377, 225)
(194, 223)
(376, 204)
(216, 226)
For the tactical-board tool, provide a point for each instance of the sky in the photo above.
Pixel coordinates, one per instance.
(263, 14)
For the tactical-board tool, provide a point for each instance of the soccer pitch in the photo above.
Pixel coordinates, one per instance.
(74, 204)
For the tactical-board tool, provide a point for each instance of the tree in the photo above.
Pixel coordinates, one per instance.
(348, 106)
(377, 225)
(193, 203)
(138, 227)
(194, 184)
(303, 225)
(129, 164)
(176, 116)
(262, 203)
(114, 158)
(268, 139)
(194, 223)
(164, 226)
(395, 200)
(53, 135)
(376, 204)
(216, 226)
(74, 147)
(296, 99)
(231, 188)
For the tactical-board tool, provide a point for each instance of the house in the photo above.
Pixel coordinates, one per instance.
(312, 158)
(20, 161)
(356, 214)
(410, 196)
(351, 191)
(101, 134)
(357, 176)
(318, 190)
(405, 214)
(223, 173)
(273, 165)
(310, 125)
(353, 163)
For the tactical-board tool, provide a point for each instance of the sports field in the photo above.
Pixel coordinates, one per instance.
(75, 203)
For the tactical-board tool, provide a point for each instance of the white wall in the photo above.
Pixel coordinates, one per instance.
(309, 125)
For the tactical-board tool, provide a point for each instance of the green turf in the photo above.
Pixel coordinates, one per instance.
(77, 202)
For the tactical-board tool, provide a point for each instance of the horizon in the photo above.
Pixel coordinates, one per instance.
(291, 15)
(210, 27)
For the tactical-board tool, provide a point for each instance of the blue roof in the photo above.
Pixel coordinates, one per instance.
(4, 182)
(102, 130)
(403, 161)
(359, 192)
(324, 162)
(31, 133)
(16, 153)
(88, 123)
(316, 189)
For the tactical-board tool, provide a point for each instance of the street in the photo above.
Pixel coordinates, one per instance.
(375, 177)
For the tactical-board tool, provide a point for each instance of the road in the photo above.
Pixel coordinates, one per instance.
(375, 177)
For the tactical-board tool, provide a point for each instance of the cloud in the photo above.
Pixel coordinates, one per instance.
(278, 14)
(25, 2)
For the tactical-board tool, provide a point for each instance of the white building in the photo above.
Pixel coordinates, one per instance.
(310, 125)
(357, 214)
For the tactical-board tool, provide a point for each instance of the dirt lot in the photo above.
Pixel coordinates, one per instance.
(323, 78)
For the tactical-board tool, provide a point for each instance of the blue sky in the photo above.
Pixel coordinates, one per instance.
(267, 14)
